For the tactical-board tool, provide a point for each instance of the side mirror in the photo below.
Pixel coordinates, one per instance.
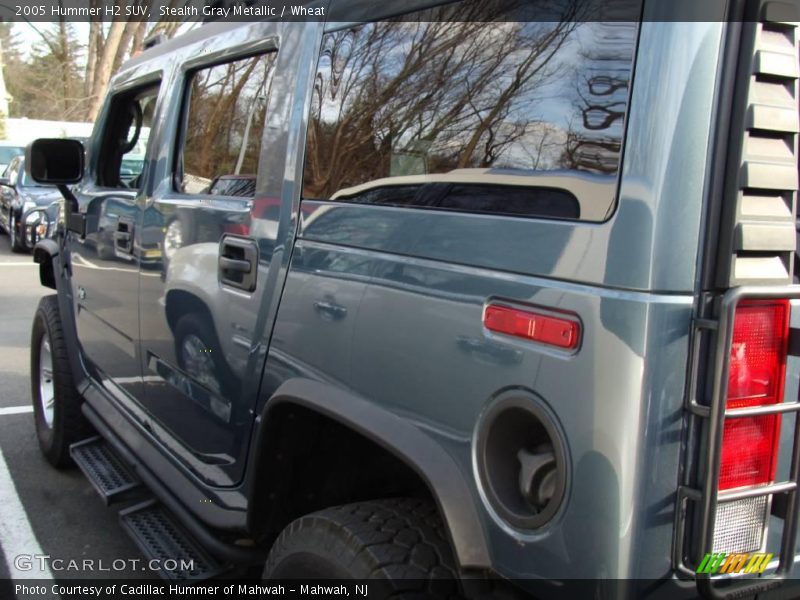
(59, 162)
(54, 161)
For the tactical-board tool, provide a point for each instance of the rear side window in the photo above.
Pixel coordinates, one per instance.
(508, 118)
(224, 123)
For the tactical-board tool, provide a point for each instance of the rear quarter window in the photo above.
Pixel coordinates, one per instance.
(510, 118)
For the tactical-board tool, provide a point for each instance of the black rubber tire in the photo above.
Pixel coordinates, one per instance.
(398, 544)
(69, 424)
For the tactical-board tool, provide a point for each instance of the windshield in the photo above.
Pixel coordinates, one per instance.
(9, 152)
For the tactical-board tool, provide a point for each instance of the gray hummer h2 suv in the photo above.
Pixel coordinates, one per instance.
(468, 306)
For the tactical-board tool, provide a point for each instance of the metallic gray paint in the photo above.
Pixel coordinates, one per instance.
(406, 334)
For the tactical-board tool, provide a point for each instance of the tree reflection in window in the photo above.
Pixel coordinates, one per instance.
(420, 96)
(224, 126)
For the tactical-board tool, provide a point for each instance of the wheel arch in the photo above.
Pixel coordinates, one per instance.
(399, 437)
(179, 302)
(46, 253)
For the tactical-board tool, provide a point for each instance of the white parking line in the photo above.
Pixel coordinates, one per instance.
(16, 410)
(16, 535)
(18, 264)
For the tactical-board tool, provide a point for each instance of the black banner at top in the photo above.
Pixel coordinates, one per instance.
(367, 10)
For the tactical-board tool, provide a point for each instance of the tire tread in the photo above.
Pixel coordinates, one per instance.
(69, 425)
(400, 541)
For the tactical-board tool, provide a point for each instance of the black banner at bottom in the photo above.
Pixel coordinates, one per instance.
(669, 588)
(81, 589)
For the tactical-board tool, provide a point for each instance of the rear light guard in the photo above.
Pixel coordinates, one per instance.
(726, 505)
(756, 372)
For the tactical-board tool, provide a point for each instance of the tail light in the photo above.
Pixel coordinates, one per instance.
(755, 378)
(750, 443)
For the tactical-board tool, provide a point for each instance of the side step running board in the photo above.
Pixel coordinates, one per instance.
(109, 476)
(172, 551)
(163, 529)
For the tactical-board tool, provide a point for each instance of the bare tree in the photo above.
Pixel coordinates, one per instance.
(104, 67)
(226, 117)
(450, 92)
(48, 84)
(108, 50)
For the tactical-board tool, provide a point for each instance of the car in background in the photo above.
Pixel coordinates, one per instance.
(9, 150)
(233, 185)
(39, 223)
(184, 228)
(131, 168)
(103, 240)
(19, 197)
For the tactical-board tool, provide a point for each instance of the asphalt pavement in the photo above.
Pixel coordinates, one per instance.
(43, 510)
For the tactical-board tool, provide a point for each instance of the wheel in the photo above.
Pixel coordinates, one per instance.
(399, 543)
(56, 402)
(13, 238)
(199, 354)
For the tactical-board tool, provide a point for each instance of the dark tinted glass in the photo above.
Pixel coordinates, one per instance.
(468, 197)
(393, 195)
(417, 97)
(512, 200)
(234, 186)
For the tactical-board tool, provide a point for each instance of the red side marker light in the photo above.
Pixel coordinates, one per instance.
(561, 332)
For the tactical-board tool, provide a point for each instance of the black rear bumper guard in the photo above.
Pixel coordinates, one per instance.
(705, 494)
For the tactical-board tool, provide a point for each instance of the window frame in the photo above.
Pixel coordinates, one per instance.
(98, 140)
(614, 187)
(188, 70)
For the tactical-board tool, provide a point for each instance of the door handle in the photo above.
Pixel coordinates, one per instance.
(238, 262)
(330, 311)
(123, 236)
(235, 265)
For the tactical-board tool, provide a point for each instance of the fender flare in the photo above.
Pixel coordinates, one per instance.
(44, 253)
(407, 442)
(47, 254)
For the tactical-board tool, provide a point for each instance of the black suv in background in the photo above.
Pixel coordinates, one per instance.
(28, 210)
